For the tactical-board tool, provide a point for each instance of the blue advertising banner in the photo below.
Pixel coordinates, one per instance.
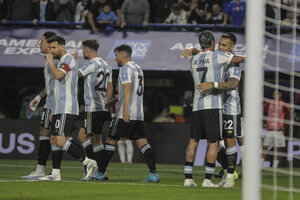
(153, 50)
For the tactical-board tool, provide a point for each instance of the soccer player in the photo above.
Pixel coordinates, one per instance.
(277, 111)
(44, 139)
(97, 91)
(129, 120)
(65, 105)
(231, 111)
(206, 122)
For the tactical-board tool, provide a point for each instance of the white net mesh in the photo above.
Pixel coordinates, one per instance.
(282, 76)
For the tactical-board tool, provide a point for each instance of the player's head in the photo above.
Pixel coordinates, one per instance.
(277, 94)
(57, 46)
(44, 47)
(123, 53)
(207, 39)
(89, 46)
(227, 42)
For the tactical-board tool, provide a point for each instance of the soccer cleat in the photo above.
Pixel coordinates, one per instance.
(83, 173)
(229, 183)
(99, 176)
(50, 177)
(90, 169)
(33, 176)
(235, 175)
(222, 182)
(189, 183)
(152, 177)
(207, 183)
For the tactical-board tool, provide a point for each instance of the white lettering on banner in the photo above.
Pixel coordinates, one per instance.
(25, 143)
(291, 149)
(3, 42)
(34, 51)
(181, 46)
(10, 50)
(22, 51)
(32, 43)
(11, 146)
(17, 43)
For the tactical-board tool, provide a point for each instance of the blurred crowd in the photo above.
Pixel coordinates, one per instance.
(95, 14)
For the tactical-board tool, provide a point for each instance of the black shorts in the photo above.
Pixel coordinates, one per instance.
(206, 124)
(45, 118)
(133, 130)
(63, 124)
(231, 126)
(94, 121)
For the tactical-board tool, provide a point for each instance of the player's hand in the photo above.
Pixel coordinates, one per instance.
(202, 87)
(126, 116)
(187, 53)
(49, 57)
(33, 104)
(75, 55)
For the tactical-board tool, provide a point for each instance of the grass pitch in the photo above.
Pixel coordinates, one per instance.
(124, 183)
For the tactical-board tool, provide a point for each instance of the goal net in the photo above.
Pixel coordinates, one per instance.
(277, 118)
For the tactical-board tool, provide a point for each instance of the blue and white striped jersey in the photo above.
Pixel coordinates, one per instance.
(131, 73)
(209, 66)
(65, 90)
(49, 84)
(231, 99)
(97, 73)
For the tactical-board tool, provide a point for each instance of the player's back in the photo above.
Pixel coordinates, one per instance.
(208, 66)
(132, 73)
(97, 73)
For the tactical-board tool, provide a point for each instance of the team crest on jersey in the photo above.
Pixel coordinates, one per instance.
(124, 75)
(139, 48)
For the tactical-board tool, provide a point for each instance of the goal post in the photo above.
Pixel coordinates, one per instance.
(255, 26)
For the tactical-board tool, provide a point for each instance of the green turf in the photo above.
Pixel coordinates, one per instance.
(124, 183)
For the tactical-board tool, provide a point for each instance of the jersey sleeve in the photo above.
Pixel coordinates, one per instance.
(87, 69)
(110, 74)
(125, 75)
(191, 64)
(234, 72)
(67, 64)
(224, 57)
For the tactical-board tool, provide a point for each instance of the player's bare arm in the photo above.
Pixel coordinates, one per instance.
(190, 52)
(58, 74)
(109, 91)
(238, 59)
(33, 104)
(231, 84)
(127, 92)
(79, 74)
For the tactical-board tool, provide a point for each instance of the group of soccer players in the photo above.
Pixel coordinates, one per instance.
(215, 113)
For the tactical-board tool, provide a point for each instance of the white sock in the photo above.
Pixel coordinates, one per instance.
(129, 150)
(40, 169)
(55, 172)
(275, 163)
(85, 161)
(229, 176)
(121, 150)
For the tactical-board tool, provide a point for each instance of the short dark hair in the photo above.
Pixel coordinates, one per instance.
(91, 43)
(229, 36)
(206, 38)
(49, 34)
(124, 48)
(57, 38)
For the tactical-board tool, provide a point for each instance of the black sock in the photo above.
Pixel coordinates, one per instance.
(88, 149)
(222, 159)
(148, 154)
(188, 170)
(98, 153)
(74, 150)
(57, 154)
(209, 170)
(231, 159)
(44, 151)
(106, 156)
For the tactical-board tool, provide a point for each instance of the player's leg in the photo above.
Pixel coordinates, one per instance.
(122, 150)
(129, 151)
(268, 141)
(222, 159)
(146, 150)
(279, 144)
(44, 148)
(213, 130)
(195, 134)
